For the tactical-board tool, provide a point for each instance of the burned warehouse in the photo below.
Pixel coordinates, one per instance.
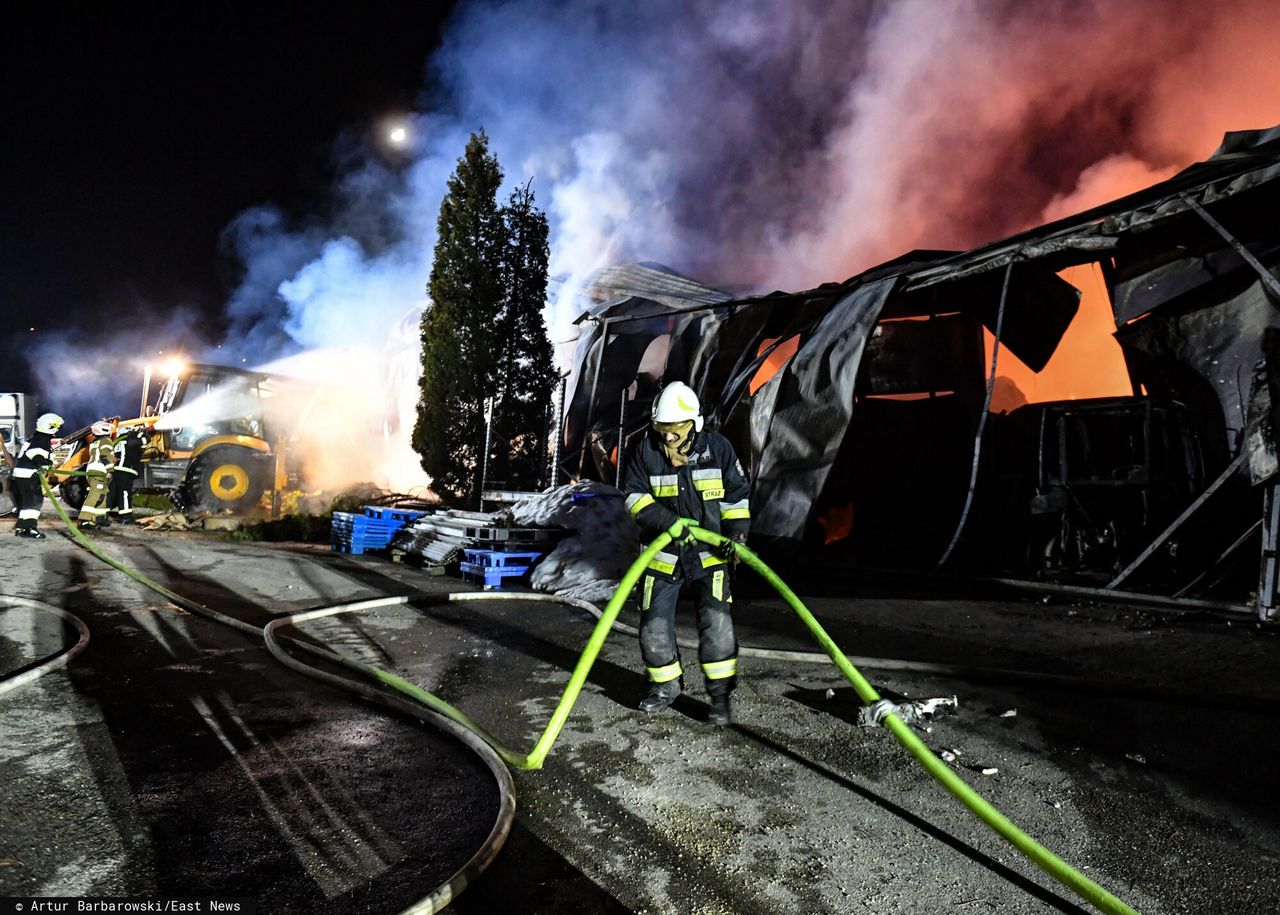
(1088, 403)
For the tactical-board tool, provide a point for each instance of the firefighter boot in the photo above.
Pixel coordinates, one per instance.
(30, 533)
(719, 714)
(660, 696)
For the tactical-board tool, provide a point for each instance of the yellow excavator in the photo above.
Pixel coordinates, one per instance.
(214, 439)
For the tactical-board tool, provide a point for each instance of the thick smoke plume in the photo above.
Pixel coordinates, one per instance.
(762, 144)
(783, 144)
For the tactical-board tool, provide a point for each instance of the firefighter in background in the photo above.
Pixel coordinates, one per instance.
(128, 455)
(32, 459)
(93, 513)
(679, 471)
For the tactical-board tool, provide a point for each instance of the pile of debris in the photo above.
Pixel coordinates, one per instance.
(575, 540)
(589, 565)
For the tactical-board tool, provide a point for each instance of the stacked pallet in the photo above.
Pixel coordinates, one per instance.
(490, 568)
(443, 537)
(373, 529)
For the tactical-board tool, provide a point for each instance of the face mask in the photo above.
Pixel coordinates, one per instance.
(677, 451)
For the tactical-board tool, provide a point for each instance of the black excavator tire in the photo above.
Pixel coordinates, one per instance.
(226, 478)
(73, 492)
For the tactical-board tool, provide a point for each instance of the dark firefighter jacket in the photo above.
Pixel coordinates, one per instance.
(128, 451)
(711, 490)
(34, 455)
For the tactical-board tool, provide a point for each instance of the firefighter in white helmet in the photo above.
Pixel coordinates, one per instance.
(34, 457)
(93, 513)
(679, 470)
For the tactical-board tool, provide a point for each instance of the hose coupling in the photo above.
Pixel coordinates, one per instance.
(882, 708)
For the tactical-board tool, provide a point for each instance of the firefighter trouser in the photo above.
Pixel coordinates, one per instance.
(120, 492)
(95, 500)
(28, 499)
(717, 646)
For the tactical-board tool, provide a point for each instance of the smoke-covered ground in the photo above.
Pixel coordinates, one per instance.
(754, 145)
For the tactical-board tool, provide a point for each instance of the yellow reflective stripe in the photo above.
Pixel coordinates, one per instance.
(664, 562)
(718, 670)
(710, 559)
(735, 511)
(710, 483)
(647, 600)
(717, 584)
(638, 502)
(664, 674)
(665, 486)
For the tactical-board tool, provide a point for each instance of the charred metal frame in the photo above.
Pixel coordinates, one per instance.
(1178, 522)
(1269, 578)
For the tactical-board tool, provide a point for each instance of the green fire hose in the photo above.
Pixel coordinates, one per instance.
(883, 710)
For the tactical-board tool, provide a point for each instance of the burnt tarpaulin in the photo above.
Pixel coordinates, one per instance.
(1039, 307)
(799, 417)
(1222, 343)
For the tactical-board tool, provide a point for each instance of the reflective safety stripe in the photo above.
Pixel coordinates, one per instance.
(34, 452)
(718, 670)
(638, 502)
(23, 473)
(710, 483)
(28, 514)
(86, 510)
(710, 559)
(647, 600)
(96, 467)
(126, 470)
(664, 562)
(665, 486)
(664, 674)
(730, 511)
(717, 584)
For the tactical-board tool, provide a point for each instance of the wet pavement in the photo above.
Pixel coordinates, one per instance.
(175, 756)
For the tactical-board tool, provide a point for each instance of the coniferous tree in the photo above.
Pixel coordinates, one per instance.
(526, 370)
(459, 330)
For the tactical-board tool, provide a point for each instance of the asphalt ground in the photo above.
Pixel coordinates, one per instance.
(176, 757)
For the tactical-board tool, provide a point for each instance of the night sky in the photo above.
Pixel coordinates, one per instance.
(134, 133)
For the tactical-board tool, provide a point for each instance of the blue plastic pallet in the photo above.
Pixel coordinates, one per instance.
(367, 539)
(489, 576)
(352, 533)
(385, 513)
(346, 546)
(498, 559)
(359, 532)
(363, 523)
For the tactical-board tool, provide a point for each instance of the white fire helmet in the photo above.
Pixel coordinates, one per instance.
(102, 429)
(677, 404)
(48, 422)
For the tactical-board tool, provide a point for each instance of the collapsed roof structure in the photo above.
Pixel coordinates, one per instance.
(1092, 400)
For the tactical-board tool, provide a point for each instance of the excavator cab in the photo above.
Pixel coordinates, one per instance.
(210, 438)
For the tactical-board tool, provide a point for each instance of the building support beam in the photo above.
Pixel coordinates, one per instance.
(1178, 522)
(1270, 571)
